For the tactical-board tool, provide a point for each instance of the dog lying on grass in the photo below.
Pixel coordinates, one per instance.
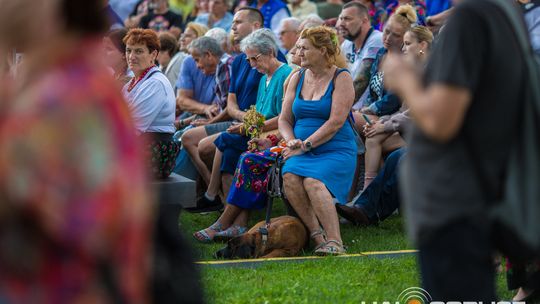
(287, 236)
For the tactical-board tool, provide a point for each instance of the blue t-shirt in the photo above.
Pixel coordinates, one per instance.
(245, 81)
(191, 78)
(224, 23)
(437, 6)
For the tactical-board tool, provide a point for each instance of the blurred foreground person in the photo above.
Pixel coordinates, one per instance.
(75, 214)
(458, 152)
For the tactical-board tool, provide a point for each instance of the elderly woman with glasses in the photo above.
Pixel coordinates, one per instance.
(261, 50)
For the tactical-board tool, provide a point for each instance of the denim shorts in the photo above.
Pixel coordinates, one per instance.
(217, 127)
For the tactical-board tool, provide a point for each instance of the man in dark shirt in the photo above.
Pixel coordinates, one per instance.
(466, 114)
(160, 18)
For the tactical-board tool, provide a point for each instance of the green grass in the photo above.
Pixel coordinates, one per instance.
(328, 280)
(331, 280)
(389, 235)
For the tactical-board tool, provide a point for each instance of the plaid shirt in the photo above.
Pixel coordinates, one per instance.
(223, 79)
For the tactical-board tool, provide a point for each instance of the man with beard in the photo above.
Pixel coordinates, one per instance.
(361, 45)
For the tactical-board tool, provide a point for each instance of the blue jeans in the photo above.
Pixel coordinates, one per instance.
(381, 198)
(184, 166)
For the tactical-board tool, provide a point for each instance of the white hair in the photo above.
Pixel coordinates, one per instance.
(220, 35)
(311, 20)
(263, 40)
(294, 23)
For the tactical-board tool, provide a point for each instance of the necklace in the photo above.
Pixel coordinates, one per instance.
(134, 81)
(317, 82)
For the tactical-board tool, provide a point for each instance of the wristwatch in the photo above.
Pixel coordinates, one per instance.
(429, 21)
(307, 146)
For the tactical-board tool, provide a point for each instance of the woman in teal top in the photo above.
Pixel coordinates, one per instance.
(261, 50)
(269, 97)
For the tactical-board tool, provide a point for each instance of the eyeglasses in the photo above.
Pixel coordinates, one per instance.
(253, 59)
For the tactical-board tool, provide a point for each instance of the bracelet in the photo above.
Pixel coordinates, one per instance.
(181, 124)
(273, 138)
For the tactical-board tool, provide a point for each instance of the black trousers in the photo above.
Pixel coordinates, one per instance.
(456, 263)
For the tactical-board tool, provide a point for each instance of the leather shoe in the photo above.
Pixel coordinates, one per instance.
(355, 215)
(206, 205)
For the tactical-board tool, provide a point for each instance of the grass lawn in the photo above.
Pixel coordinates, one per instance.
(328, 280)
(389, 235)
(331, 280)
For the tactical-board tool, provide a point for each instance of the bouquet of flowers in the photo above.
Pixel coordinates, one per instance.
(253, 123)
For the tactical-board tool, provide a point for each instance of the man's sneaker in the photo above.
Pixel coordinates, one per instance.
(206, 205)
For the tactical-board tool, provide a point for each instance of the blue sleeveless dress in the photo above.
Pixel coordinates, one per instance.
(334, 162)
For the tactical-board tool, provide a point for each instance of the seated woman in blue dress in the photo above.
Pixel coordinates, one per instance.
(261, 50)
(320, 158)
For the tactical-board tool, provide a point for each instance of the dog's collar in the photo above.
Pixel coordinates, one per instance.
(264, 237)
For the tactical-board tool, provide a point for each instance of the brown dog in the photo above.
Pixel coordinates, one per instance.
(286, 237)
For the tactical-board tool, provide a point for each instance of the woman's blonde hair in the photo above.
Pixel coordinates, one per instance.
(323, 37)
(422, 34)
(405, 15)
(199, 29)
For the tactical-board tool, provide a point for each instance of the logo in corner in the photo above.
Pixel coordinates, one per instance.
(414, 295)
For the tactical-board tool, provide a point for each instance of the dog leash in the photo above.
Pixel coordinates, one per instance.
(273, 189)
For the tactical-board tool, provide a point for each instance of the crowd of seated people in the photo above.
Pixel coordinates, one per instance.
(262, 49)
(381, 102)
(322, 101)
(216, 78)
(380, 197)
(189, 75)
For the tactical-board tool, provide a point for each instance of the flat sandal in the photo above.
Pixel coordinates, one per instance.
(331, 247)
(315, 234)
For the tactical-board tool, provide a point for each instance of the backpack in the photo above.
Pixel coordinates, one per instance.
(516, 216)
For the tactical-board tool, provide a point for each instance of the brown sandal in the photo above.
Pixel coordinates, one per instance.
(319, 232)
